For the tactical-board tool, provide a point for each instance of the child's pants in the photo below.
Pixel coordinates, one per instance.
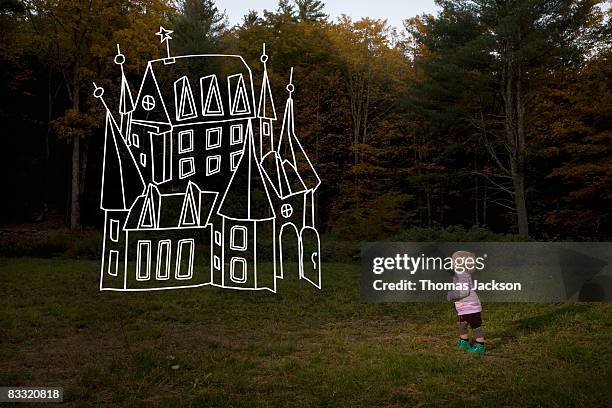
(474, 320)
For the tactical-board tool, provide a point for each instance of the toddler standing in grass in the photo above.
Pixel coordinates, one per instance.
(467, 303)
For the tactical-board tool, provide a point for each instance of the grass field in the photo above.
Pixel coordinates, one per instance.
(301, 347)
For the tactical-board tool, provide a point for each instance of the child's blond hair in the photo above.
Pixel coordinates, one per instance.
(459, 258)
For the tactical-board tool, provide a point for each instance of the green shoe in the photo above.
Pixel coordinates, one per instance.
(477, 348)
(463, 344)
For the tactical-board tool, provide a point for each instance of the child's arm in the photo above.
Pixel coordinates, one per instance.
(455, 295)
(464, 291)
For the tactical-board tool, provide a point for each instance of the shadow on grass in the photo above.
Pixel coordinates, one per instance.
(539, 323)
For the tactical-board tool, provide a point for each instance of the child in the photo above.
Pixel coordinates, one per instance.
(467, 303)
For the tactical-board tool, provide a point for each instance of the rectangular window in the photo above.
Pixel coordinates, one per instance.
(266, 128)
(235, 134)
(186, 167)
(218, 237)
(184, 259)
(238, 238)
(185, 141)
(238, 270)
(143, 160)
(114, 230)
(216, 262)
(162, 157)
(235, 159)
(135, 140)
(213, 138)
(113, 262)
(143, 261)
(162, 270)
(213, 164)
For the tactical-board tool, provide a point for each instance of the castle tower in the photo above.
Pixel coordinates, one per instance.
(265, 111)
(298, 168)
(246, 213)
(121, 184)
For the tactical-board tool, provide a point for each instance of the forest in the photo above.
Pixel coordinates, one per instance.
(493, 114)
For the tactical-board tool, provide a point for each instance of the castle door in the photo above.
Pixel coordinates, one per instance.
(311, 256)
(289, 252)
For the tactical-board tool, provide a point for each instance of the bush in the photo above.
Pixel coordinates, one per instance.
(456, 234)
(43, 244)
(334, 248)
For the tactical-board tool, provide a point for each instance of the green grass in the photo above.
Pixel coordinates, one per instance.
(300, 347)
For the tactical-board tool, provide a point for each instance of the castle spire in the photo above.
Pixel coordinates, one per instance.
(126, 102)
(99, 94)
(266, 112)
(290, 150)
(266, 108)
(121, 179)
(287, 130)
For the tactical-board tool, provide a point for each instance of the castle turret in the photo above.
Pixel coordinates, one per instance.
(290, 149)
(299, 171)
(121, 185)
(265, 111)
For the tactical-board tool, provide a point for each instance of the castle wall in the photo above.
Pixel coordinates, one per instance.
(112, 270)
(207, 153)
(168, 258)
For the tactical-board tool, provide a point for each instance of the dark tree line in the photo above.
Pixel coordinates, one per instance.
(492, 113)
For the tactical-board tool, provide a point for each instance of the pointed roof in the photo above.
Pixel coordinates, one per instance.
(246, 197)
(154, 211)
(126, 102)
(290, 149)
(122, 182)
(283, 177)
(266, 107)
(157, 89)
(190, 212)
(149, 217)
(273, 170)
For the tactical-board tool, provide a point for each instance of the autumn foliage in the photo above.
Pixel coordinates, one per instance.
(489, 114)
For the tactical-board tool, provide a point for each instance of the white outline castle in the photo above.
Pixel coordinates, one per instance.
(191, 196)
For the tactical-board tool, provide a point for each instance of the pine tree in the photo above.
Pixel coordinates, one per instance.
(310, 10)
(501, 52)
(198, 26)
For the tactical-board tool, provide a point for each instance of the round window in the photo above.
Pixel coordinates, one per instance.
(286, 210)
(148, 103)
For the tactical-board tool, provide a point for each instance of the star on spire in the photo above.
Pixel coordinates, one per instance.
(164, 34)
(164, 37)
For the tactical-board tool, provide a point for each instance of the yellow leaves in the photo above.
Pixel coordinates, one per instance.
(74, 124)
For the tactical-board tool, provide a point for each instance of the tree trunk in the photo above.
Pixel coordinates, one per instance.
(518, 176)
(518, 181)
(515, 134)
(75, 202)
(75, 198)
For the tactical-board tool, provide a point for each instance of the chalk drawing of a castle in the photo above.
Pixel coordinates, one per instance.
(195, 183)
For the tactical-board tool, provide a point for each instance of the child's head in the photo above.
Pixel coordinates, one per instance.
(464, 261)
